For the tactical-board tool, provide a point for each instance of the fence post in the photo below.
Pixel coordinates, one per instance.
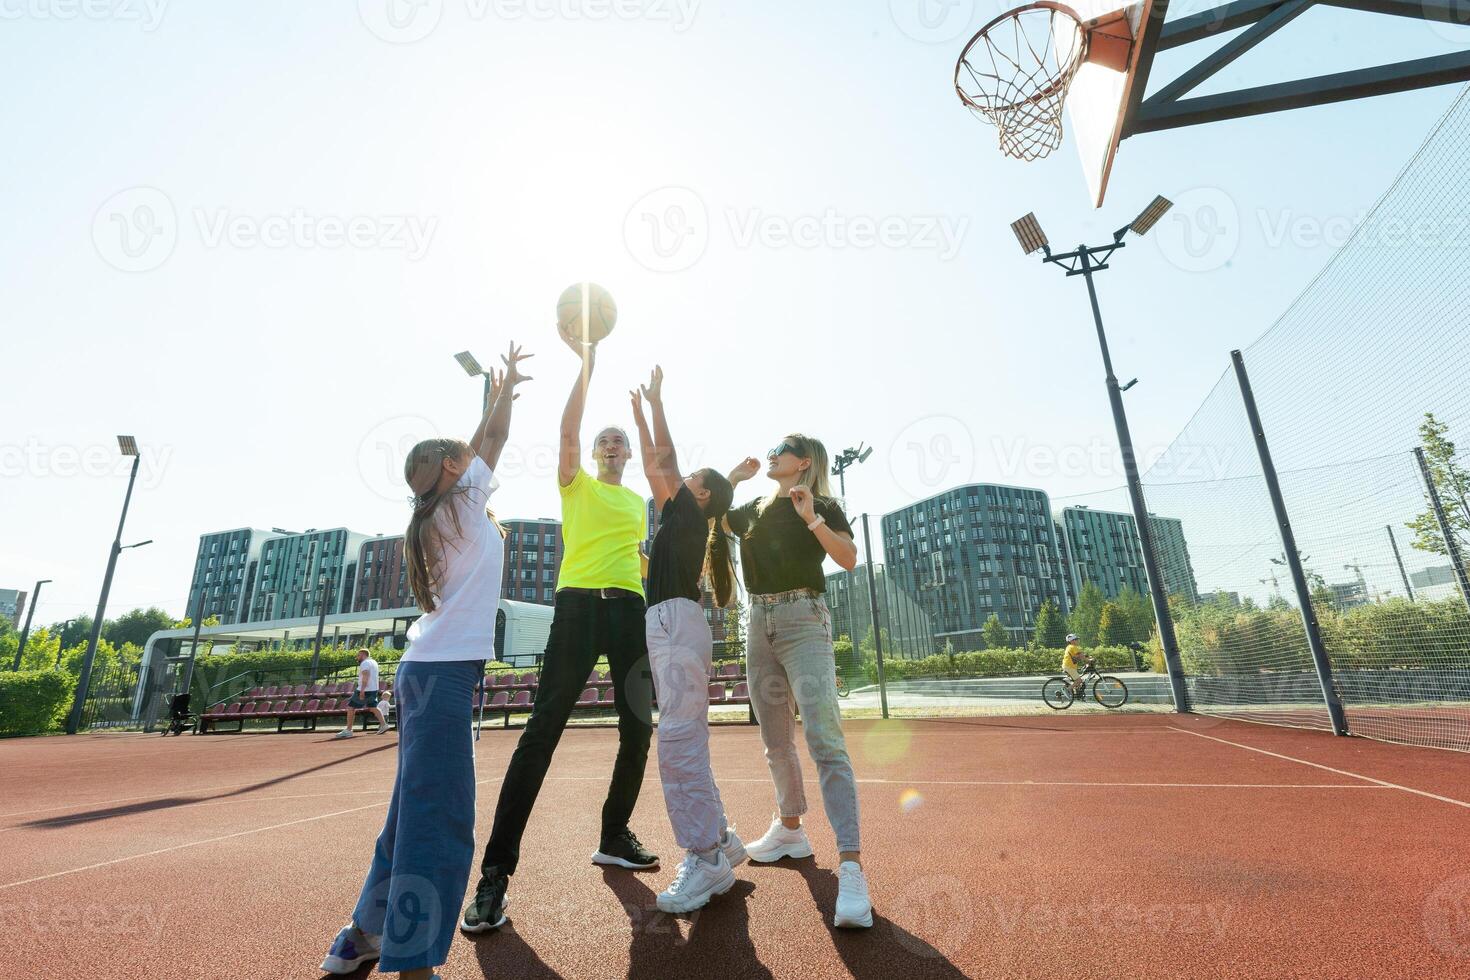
(1451, 546)
(1393, 542)
(877, 627)
(1293, 557)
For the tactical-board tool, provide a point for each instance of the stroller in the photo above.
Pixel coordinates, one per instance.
(180, 719)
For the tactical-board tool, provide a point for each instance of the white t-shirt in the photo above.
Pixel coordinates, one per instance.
(371, 666)
(467, 596)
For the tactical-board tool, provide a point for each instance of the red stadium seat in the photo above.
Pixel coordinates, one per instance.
(500, 700)
(255, 692)
(521, 700)
(716, 693)
(498, 681)
(589, 697)
(730, 670)
(741, 694)
(299, 691)
(609, 695)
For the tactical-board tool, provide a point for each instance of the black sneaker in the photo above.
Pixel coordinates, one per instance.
(624, 850)
(487, 910)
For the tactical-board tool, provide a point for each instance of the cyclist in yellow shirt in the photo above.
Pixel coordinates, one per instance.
(1070, 658)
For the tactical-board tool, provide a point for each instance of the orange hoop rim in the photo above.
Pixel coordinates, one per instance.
(1065, 72)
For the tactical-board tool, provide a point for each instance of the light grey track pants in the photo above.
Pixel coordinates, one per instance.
(679, 650)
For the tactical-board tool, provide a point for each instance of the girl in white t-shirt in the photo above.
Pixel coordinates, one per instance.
(406, 914)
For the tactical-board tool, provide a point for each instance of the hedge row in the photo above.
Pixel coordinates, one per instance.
(993, 663)
(33, 701)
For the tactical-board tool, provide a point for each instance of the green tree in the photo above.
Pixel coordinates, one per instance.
(1112, 626)
(1087, 614)
(995, 635)
(77, 631)
(1051, 626)
(735, 631)
(136, 626)
(1451, 482)
(1139, 611)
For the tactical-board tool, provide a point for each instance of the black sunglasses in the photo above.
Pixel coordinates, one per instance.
(785, 447)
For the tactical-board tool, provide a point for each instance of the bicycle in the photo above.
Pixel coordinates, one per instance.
(842, 689)
(1108, 691)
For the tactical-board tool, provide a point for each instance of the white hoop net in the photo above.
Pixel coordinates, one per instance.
(1016, 72)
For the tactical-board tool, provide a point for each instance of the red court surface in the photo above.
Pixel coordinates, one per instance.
(1119, 846)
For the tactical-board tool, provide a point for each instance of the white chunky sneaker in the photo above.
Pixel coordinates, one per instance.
(695, 883)
(779, 842)
(733, 847)
(854, 909)
(350, 950)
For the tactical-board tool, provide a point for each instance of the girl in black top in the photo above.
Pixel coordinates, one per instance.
(784, 538)
(688, 546)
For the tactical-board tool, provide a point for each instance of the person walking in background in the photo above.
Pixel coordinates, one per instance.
(365, 694)
(784, 538)
(599, 610)
(405, 913)
(689, 546)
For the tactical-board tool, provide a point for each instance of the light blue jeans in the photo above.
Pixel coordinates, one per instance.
(421, 864)
(791, 665)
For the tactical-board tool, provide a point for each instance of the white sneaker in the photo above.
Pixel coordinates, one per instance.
(344, 733)
(695, 883)
(779, 842)
(733, 847)
(351, 949)
(854, 908)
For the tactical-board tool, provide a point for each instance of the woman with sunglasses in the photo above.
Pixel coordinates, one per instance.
(784, 538)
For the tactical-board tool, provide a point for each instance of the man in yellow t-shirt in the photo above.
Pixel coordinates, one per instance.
(599, 610)
(1070, 658)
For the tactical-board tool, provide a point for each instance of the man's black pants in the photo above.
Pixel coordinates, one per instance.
(583, 627)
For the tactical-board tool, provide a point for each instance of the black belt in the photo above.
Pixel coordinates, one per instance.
(602, 593)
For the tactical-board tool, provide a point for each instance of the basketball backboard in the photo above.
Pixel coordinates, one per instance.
(1104, 85)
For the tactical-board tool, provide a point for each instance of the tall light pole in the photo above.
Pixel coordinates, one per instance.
(845, 459)
(61, 641)
(26, 631)
(1087, 261)
(472, 368)
(128, 446)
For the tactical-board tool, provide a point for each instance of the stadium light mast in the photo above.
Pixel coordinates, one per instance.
(128, 446)
(1085, 262)
(472, 368)
(26, 630)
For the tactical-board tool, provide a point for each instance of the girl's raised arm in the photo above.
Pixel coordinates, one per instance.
(490, 438)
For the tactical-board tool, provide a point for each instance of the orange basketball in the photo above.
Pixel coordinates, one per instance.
(586, 312)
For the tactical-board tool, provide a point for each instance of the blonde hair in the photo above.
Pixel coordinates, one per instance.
(814, 477)
(423, 543)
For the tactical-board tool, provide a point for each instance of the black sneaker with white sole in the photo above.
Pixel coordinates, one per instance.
(624, 850)
(486, 910)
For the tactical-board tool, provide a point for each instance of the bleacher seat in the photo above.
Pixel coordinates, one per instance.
(741, 694)
(589, 697)
(716, 694)
(609, 695)
(730, 670)
(522, 699)
(500, 700)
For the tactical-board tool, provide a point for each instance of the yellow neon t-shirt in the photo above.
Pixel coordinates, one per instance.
(601, 526)
(1070, 655)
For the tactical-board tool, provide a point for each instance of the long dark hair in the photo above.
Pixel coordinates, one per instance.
(421, 551)
(719, 567)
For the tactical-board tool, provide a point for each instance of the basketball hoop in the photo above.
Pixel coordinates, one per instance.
(1016, 71)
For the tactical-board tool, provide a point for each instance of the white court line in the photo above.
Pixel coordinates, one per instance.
(1341, 772)
(1019, 782)
(205, 789)
(211, 840)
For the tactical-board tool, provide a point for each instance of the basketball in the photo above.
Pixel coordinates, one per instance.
(586, 312)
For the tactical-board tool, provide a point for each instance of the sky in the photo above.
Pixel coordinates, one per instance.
(254, 235)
